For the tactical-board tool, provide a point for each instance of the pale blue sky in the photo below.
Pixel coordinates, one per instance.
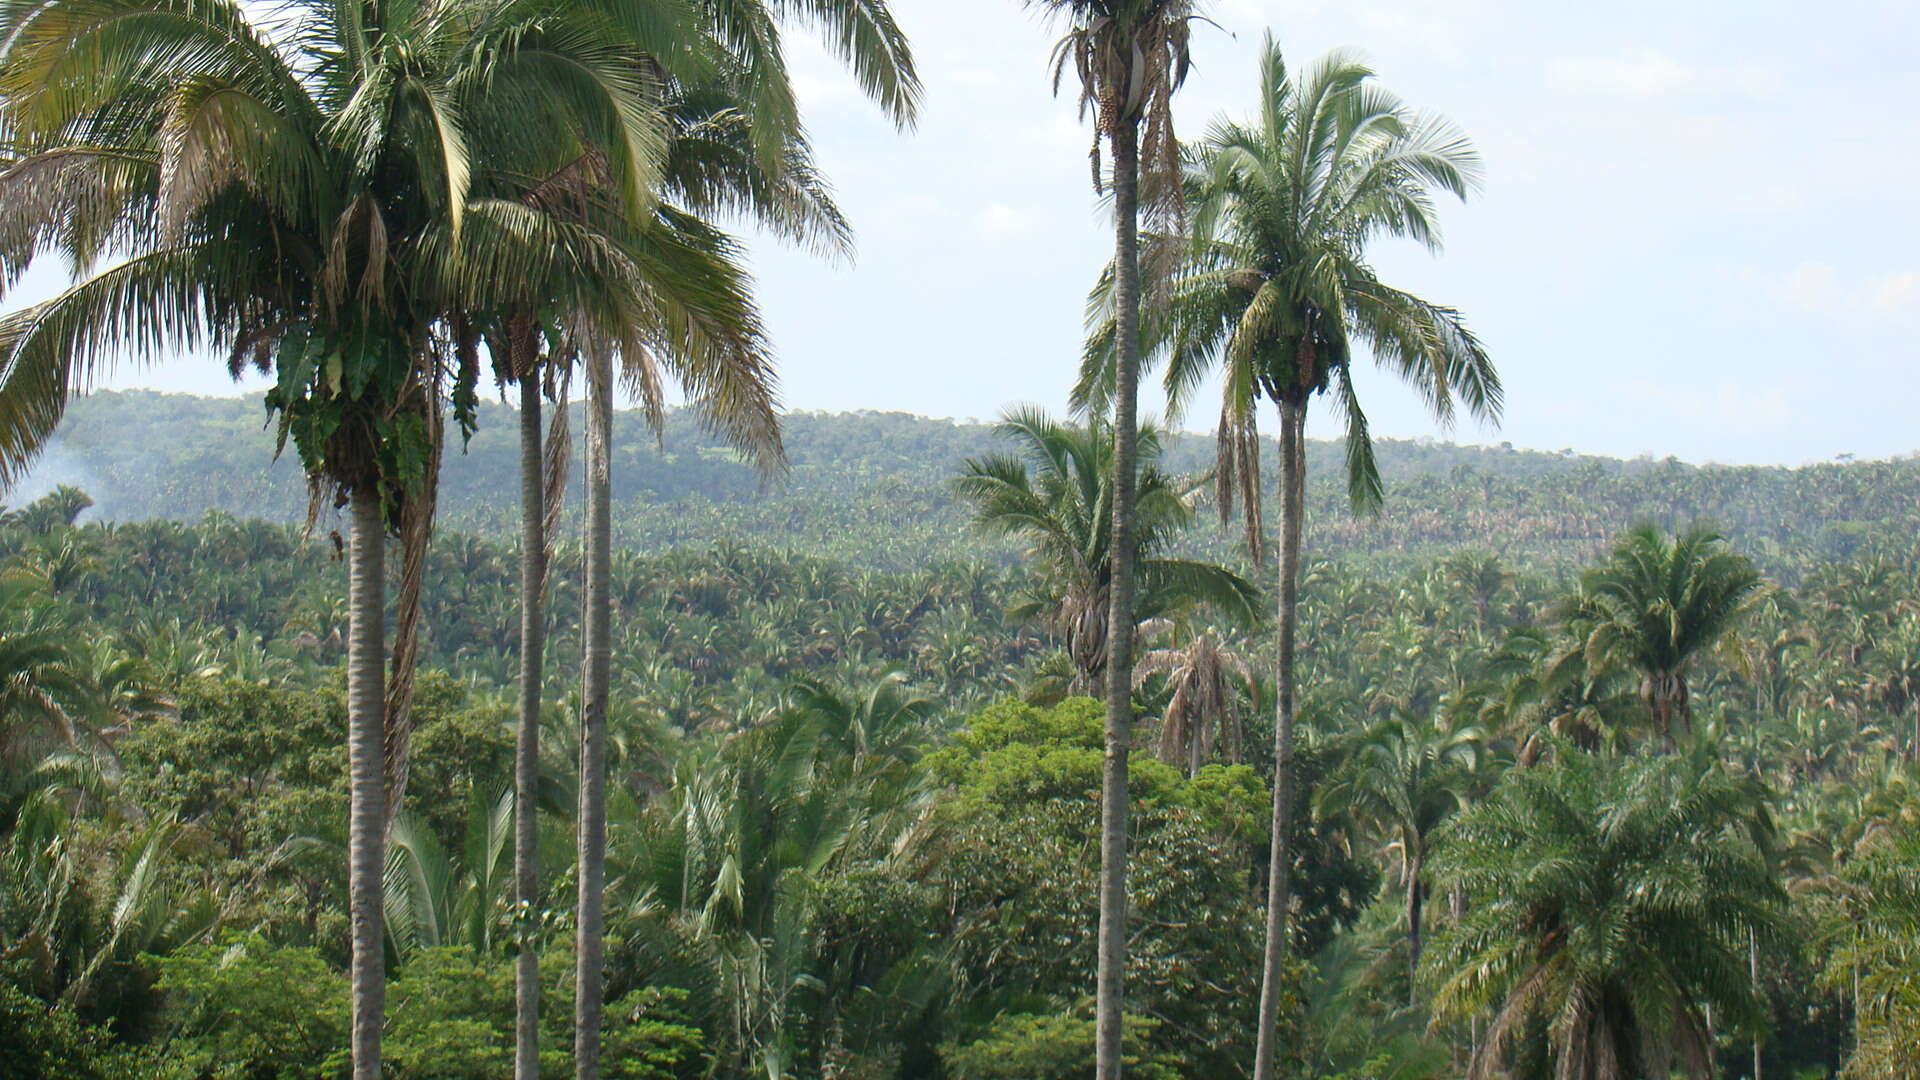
(1698, 235)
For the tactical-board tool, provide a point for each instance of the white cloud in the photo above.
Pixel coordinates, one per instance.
(1897, 293)
(1000, 221)
(1644, 73)
(1819, 288)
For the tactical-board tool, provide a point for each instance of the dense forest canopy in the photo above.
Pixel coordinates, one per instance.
(205, 654)
(874, 490)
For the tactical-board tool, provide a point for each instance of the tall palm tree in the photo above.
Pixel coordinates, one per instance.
(1130, 56)
(1655, 607)
(1274, 287)
(306, 202)
(526, 758)
(1612, 899)
(700, 329)
(1406, 776)
(1056, 495)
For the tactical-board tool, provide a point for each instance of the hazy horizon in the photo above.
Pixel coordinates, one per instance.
(1694, 241)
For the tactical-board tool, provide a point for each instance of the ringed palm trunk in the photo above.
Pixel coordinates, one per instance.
(1293, 467)
(526, 766)
(592, 824)
(1110, 1003)
(366, 770)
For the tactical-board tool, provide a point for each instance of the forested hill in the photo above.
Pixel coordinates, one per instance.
(872, 488)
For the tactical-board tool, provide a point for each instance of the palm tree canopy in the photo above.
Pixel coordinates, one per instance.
(1272, 283)
(1405, 777)
(1611, 899)
(1658, 602)
(1056, 494)
(1129, 57)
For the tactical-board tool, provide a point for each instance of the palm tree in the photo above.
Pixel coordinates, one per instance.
(1895, 662)
(309, 203)
(1203, 678)
(1274, 287)
(1655, 607)
(1056, 494)
(1613, 899)
(1130, 56)
(1405, 777)
(1481, 577)
(526, 758)
(726, 864)
(434, 898)
(1875, 925)
(699, 327)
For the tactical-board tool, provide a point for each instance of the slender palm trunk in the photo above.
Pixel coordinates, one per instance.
(526, 765)
(1416, 902)
(1293, 465)
(366, 768)
(592, 824)
(1753, 971)
(1110, 1005)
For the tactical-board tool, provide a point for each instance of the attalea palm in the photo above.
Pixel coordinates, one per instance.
(684, 314)
(1612, 900)
(1406, 776)
(1275, 290)
(1655, 607)
(1129, 56)
(288, 268)
(1205, 682)
(1056, 494)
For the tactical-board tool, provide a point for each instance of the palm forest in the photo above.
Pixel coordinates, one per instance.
(461, 724)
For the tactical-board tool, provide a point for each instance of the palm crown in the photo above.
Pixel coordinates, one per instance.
(1612, 899)
(1273, 285)
(1057, 495)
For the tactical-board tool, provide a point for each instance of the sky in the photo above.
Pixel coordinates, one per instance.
(1698, 235)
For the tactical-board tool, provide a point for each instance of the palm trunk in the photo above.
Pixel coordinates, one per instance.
(1753, 971)
(1293, 416)
(526, 765)
(596, 643)
(366, 768)
(1416, 901)
(1110, 1005)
